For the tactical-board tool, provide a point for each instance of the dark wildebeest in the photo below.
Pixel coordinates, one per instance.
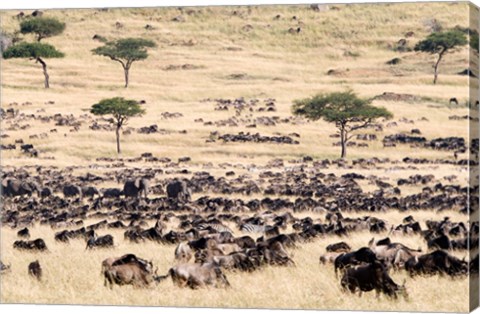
(46, 192)
(35, 245)
(112, 193)
(90, 191)
(71, 190)
(453, 101)
(197, 276)
(370, 277)
(35, 270)
(436, 262)
(179, 190)
(137, 187)
(362, 255)
(105, 241)
(339, 247)
(440, 242)
(14, 187)
(127, 270)
(24, 233)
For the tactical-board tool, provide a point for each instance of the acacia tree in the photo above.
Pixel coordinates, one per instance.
(441, 43)
(121, 110)
(42, 27)
(345, 109)
(125, 51)
(36, 51)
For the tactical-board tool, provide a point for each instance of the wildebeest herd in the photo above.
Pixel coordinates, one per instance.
(212, 236)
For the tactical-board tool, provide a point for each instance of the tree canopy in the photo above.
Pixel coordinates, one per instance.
(125, 51)
(345, 109)
(118, 107)
(32, 50)
(121, 109)
(37, 51)
(441, 43)
(42, 27)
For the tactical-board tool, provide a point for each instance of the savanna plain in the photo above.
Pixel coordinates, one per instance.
(225, 70)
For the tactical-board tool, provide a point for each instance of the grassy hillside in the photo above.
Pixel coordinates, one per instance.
(239, 52)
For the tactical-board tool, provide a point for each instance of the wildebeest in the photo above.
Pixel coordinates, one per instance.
(71, 190)
(14, 187)
(127, 270)
(24, 233)
(90, 191)
(237, 260)
(112, 193)
(453, 101)
(183, 252)
(197, 276)
(135, 188)
(339, 247)
(436, 262)
(387, 251)
(369, 277)
(105, 241)
(4, 268)
(179, 190)
(46, 192)
(363, 254)
(35, 270)
(35, 245)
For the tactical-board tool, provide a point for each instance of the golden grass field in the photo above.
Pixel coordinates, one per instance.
(355, 39)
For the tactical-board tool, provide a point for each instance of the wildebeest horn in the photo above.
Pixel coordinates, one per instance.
(156, 271)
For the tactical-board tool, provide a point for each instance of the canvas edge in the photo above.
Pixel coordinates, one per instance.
(473, 167)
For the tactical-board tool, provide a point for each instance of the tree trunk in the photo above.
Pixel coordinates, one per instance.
(117, 133)
(343, 142)
(435, 74)
(44, 65)
(125, 70)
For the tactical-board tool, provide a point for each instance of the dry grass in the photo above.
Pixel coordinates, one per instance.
(279, 65)
(356, 39)
(72, 276)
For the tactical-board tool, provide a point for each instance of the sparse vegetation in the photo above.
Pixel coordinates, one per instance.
(42, 27)
(36, 51)
(125, 51)
(441, 43)
(121, 110)
(348, 112)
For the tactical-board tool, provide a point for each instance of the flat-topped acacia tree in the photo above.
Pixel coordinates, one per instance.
(120, 109)
(345, 109)
(441, 43)
(42, 27)
(35, 51)
(125, 51)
